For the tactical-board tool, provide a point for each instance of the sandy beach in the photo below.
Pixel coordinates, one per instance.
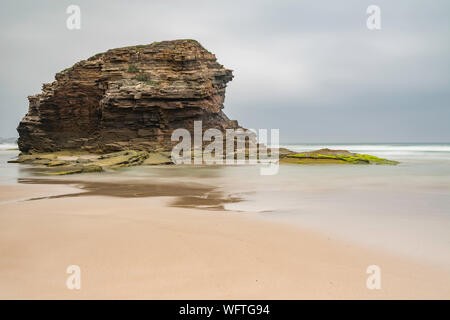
(143, 248)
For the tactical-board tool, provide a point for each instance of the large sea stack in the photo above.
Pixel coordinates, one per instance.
(128, 98)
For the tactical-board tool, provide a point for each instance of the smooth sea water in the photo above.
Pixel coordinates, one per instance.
(404, 209)
(9, 172)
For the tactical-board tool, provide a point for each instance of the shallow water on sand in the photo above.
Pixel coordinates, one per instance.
(404, 209)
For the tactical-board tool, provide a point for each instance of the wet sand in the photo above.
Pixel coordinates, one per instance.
(129, 245)
(186, 195)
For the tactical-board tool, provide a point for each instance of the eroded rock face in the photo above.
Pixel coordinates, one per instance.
(128, 98)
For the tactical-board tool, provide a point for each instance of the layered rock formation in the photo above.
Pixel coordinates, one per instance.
(128, 98)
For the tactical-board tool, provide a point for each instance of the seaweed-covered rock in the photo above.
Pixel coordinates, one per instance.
(333, 156)
(83, 169)
(56, 163)
(122, 159)
(157, 158)
(71, 162)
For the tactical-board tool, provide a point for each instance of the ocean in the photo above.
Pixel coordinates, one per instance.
(404, 208)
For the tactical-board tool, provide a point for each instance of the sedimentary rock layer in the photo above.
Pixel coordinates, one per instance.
(128, 98)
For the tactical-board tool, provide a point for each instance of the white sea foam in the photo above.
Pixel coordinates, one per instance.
(6, 146)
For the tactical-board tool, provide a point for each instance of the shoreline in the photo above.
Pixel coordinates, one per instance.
(138, 248)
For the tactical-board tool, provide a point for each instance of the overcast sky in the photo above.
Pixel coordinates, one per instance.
(310, 68)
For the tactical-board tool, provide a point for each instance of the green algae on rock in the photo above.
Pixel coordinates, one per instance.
(84, 169)
(122, 159)
(56, 163)
(157, 158)
(72, 162)
(334, 156)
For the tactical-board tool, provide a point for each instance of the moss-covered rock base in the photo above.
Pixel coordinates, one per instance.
(328, 156)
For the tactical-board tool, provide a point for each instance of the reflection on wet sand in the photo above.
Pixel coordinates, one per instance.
(187, 195)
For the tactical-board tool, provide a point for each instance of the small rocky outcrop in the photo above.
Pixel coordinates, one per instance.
(332, 156)
(70, 162)
(128, 98)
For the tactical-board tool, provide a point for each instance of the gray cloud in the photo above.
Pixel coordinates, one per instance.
(310, 68)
